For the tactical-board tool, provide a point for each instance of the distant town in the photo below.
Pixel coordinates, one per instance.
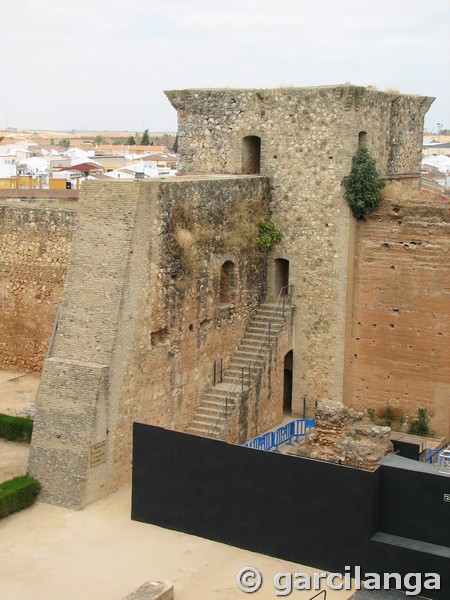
(46, 160)
(436, 164)
(62, 161)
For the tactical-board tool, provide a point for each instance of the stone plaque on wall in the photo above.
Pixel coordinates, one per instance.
(98, 454)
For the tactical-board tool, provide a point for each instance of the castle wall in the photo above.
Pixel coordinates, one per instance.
(34, 252)
(308, 138)
(400, 340)
(142, 321)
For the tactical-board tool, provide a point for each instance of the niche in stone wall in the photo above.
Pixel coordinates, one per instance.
(251, 155)
(160, 337)
(362, 139)
(227, 282)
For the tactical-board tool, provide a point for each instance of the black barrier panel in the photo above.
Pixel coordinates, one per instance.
(413, 505)
(406, 450)
(305, 511)
(388, 557)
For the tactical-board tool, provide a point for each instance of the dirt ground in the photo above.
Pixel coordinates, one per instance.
(50, 553)
(17, 391)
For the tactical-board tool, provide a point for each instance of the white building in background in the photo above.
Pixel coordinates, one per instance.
(438, 168)
(36, 166)
(77, 154)
(7, 167)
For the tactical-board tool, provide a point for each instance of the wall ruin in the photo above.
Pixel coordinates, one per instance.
(308, 137)
(399, 353)
(34, 251)
(142, 321)
(164, 276)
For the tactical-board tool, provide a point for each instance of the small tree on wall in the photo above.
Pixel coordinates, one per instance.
(363, 185)
(268, 234)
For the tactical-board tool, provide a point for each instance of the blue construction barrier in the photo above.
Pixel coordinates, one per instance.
(286, 434)
(433, 456)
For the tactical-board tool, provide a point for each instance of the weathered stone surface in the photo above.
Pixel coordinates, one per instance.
(152, 591)
(399, 350)
(34, 251)
(344, 436)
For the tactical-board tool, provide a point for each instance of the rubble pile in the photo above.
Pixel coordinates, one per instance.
(345, 436)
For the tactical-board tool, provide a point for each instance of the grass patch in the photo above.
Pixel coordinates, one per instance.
(18, 493)
(15, 429)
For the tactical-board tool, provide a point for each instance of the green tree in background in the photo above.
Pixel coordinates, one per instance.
(145, 139)
(131, 141)
(175, 144)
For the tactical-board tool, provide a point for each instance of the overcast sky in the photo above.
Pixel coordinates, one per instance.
(103, 64)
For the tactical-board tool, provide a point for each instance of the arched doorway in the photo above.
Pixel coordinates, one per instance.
(281, 276)
(227, 282)
(287, 385)
(251, 155)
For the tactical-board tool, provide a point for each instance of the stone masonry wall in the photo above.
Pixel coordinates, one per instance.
(34, 251)
(183, 327)
(308, 138)
(142, 321)
(399, 352)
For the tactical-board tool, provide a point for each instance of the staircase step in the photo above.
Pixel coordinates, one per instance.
(202, 430)
(194, 430)
(244, 361)
(209, 405)
(220, 390)
(205, 412)
(203, 421)
(250, 346)
(264, 320)
(211, 401)
(259, 335)
(230, 379)
(262, 329)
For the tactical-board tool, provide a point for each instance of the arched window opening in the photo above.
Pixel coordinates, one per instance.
(362, 139)
(227, 282)
(251, 155)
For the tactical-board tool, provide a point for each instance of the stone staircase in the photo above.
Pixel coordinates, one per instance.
(219, 401)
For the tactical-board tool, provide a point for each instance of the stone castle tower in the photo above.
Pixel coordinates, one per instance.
(144, 319)
(304, 140)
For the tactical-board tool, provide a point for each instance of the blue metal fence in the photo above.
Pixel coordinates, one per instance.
(287, 434)
(433, 456)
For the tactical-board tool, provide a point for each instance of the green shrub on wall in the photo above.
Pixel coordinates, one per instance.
(18, 493)
(268, 234)
(15, 429)
(363, 185)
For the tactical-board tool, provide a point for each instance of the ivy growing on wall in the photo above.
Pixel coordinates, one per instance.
(268, 234)
(363, 185)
